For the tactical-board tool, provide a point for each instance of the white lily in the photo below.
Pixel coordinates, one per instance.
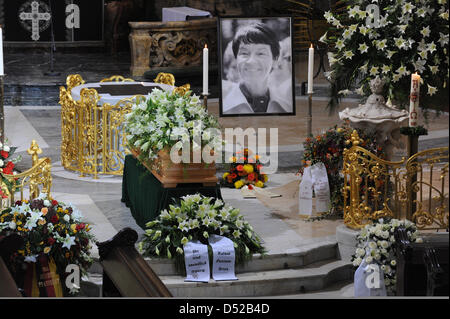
(431, 90)
(363, 48)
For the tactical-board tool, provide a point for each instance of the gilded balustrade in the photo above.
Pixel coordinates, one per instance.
(39, 175)
(92, 140)
(375, 188)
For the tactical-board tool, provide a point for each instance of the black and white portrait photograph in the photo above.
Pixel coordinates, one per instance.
(256, 65)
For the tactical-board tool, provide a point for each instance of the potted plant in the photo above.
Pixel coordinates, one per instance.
(168, 124)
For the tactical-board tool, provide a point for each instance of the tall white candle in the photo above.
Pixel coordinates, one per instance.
(310, 69)
(414, 99)
(1, 52)
(205, 70)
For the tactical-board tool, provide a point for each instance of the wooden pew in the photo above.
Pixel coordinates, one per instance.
(125, 272)
(8, 245)
(422, 268)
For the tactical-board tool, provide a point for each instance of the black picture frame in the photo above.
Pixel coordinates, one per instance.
(281, 81)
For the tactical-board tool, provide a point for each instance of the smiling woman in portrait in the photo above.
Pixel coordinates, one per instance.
(256, 52)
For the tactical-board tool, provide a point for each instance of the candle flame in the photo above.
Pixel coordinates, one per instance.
(206, 46)
(311, 46)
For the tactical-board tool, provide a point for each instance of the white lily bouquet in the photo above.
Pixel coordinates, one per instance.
(165, 119)
(391, 39)
(375, 246)
(196, 218)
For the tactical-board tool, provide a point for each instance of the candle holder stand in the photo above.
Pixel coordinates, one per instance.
(309, 117)
(205, 100)
(413, 133)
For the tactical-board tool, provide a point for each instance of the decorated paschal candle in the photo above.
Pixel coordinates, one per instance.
(414, 99)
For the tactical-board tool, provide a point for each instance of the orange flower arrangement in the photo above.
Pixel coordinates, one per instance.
(244, 170)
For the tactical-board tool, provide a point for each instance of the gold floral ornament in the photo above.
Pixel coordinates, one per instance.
(165, 78)
(116, 78)
(182, 90)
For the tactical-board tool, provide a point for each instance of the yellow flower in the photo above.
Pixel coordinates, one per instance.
(47, 250)
(22, 252)
(225, 175)
(66, 211)
(266, 178)
(248, 168)
(259, 184)
(238, 184)
(41, 221)
(73, 227)
(233, 159)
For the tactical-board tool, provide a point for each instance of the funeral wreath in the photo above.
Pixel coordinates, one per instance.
(328, 148)
(196, 218)
(50, 228)
(375, 246)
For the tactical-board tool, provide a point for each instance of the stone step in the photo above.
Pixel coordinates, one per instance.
(338, 290)
(315, 277)
(308, 254)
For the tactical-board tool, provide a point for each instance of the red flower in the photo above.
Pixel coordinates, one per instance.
(233, 175)
(240, 167)
(4, 154)
(54, 202)
(54, 219)
(8, 169)
(250, 186)
(251, 177)
(51, 240)
(80, 226)
(258, 167)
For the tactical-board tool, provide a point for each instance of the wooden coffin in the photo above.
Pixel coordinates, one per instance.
(171, 174)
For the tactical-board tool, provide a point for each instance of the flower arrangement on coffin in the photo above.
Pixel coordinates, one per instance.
(7, 163)
(244, 170)
(196, 218)
(50, 229)
(328, 148)
(406, 37)
(375, 245)
(168, 119)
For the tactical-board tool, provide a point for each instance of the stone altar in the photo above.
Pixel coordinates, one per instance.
(376, 115)
(171, 44)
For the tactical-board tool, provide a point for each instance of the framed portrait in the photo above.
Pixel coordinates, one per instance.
(256, 66)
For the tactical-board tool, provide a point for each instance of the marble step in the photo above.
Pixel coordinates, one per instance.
(308, 254)
(316, 277)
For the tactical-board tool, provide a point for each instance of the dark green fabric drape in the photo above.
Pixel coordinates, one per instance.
(145, 196)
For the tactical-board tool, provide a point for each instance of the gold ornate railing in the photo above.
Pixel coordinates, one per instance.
(414, 188)
(92, 139)
(39, 175)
